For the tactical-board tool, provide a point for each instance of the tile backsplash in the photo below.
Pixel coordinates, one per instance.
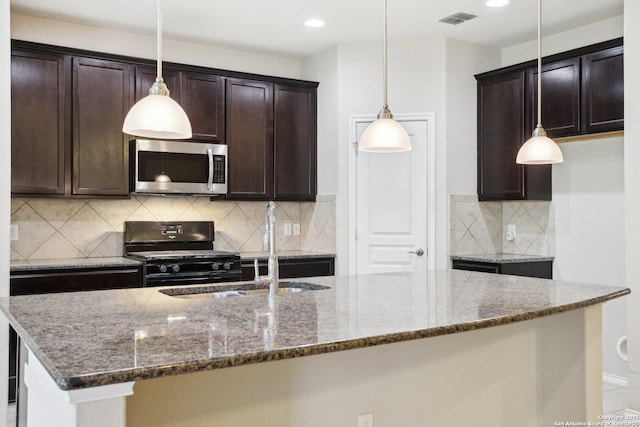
(69, 228)
(480, 227)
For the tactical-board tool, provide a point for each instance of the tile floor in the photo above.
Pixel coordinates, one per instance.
(614, 402)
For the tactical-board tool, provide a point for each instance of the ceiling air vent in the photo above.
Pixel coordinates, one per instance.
(457, 18)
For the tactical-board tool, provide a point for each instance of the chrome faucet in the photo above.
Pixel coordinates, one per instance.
(272, 266)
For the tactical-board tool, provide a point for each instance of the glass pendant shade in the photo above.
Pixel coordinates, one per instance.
(157, 116)
(385, 135)
(539, 150)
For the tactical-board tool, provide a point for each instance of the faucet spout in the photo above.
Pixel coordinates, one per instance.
(272, 264)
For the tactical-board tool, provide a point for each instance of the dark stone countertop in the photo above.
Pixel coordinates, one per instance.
(501, 258)
(87, 339)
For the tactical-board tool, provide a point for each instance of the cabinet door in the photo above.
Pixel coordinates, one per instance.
(295, 139)
(38, 123)
(146, 76)
(102, 96)
(500, 135)
(560, 98)
(603, 91)
(250, 139)
(202, 97)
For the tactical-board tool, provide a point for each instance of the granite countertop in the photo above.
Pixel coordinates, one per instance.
(262, 256)
(87, 339)
(501, 258)
(71, 263)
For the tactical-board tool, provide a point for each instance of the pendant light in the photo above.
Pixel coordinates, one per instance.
(539, 149)
(157, 115)
(385, 134)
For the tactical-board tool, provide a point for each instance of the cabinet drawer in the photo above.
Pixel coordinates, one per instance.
(75, 280)
(292, 268)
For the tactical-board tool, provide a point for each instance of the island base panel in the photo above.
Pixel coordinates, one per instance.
(501, 376)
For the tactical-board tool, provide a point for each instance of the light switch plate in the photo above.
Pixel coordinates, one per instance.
(14, 232)
(287, 229)
(296, 229)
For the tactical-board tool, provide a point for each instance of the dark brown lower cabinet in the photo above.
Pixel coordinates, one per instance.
(292, 268)
(65, 280)
(541, 269)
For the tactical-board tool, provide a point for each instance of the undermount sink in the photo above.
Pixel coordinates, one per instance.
(239, 291)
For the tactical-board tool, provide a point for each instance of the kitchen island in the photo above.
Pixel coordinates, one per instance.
(445, 348)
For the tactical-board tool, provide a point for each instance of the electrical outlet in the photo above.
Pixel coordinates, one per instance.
(296, 229)
(365, 420)
(287, 229)
(511, 232)
(14, 232)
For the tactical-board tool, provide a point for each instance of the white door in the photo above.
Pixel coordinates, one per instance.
(391, 205)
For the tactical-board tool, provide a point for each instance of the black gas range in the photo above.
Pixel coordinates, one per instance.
(179, 253)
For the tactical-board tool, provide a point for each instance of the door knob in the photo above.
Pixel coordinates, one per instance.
(418, 252)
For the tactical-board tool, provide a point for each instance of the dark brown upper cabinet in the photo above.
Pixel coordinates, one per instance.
(68, 107)
(582, 93)
(39, 127)
(202, 97)
(102, 96)
(295, 143)
(501, 132)
(271, 136)
(249, 108)
(603, 91)
(560, 98)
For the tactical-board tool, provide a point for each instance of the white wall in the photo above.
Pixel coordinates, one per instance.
(5, 193)
(323, 68)
(118, 42)
(463, 61)
(555, 43)
(632, 191)
(416, 84)
(433, 75)
(588, 195)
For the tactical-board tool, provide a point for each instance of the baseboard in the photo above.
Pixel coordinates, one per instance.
(614, 379)
(631, 414)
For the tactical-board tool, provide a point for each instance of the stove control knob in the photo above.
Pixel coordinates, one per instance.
(162, 268)
(215, 266)
(175, 268)
(227, 266)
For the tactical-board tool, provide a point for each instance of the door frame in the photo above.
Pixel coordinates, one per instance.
(430, 119)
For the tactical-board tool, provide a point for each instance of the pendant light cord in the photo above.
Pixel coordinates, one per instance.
(159, 66)
(384, 58)
(539, 66)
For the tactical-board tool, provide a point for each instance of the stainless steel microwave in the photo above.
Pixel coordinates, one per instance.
(175, 167)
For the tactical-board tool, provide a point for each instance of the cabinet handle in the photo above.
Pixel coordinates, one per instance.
(418, 252)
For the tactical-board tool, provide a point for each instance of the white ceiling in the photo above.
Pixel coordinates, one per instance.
(276, 26)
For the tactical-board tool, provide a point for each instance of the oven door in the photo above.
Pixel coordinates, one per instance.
(172, 167)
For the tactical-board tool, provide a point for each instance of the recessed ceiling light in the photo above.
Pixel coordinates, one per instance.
(497, 3)
(314, 23)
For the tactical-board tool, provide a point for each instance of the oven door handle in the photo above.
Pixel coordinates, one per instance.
(210, 156)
